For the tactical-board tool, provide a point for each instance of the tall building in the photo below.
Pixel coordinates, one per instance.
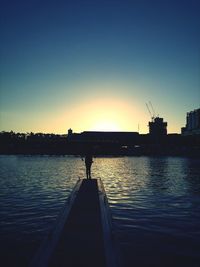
(192, 126)
(157, 127)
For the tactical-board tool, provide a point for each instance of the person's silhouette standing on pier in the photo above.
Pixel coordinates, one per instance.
(88, 164)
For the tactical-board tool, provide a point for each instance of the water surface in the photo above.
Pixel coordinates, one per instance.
(155, 205)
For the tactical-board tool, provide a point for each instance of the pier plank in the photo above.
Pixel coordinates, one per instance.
(81, 242)
(83, 234)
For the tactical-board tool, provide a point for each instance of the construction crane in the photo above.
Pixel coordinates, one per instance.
(151, 110)
(152, 115)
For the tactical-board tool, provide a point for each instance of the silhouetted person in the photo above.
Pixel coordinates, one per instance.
(88, 164)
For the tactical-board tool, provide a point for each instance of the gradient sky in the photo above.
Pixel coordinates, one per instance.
(92, 65)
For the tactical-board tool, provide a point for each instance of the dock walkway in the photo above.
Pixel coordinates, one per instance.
(84, 235)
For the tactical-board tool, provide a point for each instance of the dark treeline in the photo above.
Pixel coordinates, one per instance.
(54, 144)
(30, 143)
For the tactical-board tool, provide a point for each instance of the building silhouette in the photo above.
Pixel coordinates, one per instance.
(104, 137)
(192, 123)
(157, 127)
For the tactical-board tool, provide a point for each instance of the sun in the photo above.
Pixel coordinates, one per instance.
(106, 125)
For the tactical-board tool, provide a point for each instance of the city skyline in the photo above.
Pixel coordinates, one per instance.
(92, 65)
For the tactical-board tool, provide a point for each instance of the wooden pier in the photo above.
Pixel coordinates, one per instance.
(83, 234)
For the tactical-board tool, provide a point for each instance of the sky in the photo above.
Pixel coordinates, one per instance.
(94, 64)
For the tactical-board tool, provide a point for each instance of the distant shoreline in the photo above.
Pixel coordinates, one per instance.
(132, 145)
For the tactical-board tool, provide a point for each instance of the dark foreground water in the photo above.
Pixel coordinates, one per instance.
(155, 204)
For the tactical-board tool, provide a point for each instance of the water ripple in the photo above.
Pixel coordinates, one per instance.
(155, 205)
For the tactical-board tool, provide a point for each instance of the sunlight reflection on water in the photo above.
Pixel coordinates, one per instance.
(154, 203)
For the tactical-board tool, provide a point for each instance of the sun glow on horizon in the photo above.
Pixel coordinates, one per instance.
(103, 114)
(106, 125)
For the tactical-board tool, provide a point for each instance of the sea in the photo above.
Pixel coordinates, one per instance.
(154, 203)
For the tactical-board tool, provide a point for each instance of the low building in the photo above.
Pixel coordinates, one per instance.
(123, 138)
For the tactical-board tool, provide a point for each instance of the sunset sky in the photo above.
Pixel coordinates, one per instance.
(93, 64)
